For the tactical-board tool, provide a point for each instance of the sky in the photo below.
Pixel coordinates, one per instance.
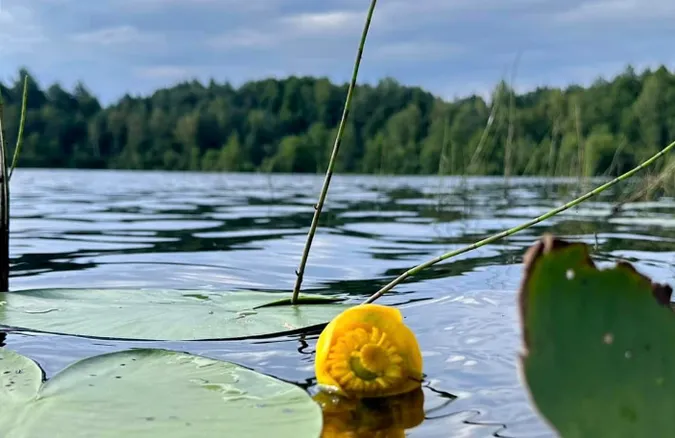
(452, 48)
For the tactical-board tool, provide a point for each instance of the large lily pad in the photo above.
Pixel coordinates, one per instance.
(600, 345)
(150, 393)
(163, 314)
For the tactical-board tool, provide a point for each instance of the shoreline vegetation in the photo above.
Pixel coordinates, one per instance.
(288, 125)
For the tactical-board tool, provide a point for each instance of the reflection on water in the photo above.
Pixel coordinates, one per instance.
(387, 417)
(221, 231)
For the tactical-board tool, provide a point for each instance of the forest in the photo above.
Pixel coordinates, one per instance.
(289, 125)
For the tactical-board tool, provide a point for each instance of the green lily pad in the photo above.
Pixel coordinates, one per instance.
(151, 393)
(163, 314)
(600, 345)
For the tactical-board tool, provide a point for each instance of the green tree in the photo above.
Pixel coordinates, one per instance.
(290, 125)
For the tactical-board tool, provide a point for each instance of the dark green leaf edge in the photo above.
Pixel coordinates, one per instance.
(549, 244)
(306, 300)
(308, 330)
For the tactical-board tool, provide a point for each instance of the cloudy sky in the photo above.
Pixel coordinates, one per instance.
(451, 47)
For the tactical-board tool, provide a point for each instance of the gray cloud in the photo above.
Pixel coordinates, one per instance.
(125, 36)
(451, 47)
(613, 11)
(19, 30)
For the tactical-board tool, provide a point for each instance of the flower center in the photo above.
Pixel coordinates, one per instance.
(359, 370)
(374, 358)
(370, 362)
(365, 361)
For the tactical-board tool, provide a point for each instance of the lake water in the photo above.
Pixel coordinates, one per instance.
(229, 231)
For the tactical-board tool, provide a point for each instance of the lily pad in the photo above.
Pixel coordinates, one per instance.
(151, 393)
(163, 314)
(600, 345)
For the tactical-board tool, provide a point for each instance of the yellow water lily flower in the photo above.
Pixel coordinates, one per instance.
(368, 351)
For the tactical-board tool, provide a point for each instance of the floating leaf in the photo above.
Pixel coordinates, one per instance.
(20, 378)
(600, 345)
(163, 314)
(151, 393)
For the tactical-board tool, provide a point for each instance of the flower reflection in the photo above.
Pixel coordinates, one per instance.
(368, 351)
(383, 417)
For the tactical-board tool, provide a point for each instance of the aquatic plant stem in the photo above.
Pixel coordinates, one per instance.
(331, 163)
(4, 208)
(5, 175)
(22, 123)
(417, 269)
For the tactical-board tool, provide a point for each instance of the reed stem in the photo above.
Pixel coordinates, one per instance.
(5, 175)
(4, 208)
(331, 163)
(22, 123)
(506, 233)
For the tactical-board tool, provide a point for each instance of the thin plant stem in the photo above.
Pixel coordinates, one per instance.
(22, 123)
(4, 207)
(417, 269)
(331, 163)
(5, 176)
(483, 137)
(512, 106)
(581, 157)
(649, 186)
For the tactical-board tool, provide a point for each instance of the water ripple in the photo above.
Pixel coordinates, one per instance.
(228, 231)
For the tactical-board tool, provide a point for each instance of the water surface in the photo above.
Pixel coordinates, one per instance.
(236, 231)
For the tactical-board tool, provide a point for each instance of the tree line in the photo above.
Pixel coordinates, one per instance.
(289, 125)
